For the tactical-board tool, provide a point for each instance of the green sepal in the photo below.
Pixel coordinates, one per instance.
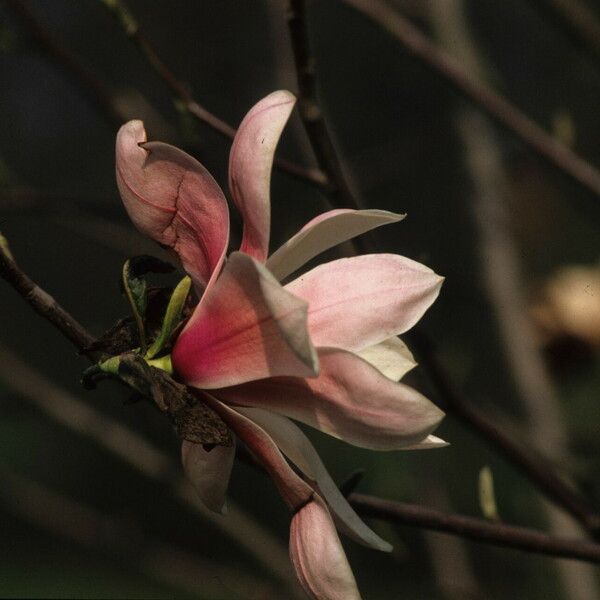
(172, 317)
(163, 363)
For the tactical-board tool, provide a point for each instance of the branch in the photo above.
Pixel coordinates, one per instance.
(44, 304)
(494, 105)
(310, 110)
(536, 469)
(578, 21)
(498, 534)
(132, 30)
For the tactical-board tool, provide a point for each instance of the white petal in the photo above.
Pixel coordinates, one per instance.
(429, 443)
(324, 232)
(391, 357)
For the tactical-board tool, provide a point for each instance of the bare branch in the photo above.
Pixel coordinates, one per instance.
(132, 30)
(310, 109)
(479, 530)
(534, 467)
(577, 20)
(491, 103)
(44, 304)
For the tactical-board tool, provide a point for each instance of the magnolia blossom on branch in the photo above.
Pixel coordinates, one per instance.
(321, 349)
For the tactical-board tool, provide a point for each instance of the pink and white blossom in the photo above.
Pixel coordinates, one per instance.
(321, 349)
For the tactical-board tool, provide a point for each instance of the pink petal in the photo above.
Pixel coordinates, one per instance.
(250, 164)
(209, 472)
(360, 301)
(246, 327)
(294, 491)
(173, 199)
(350, 400)
(324, 232)
(318, 556)
(297, 447)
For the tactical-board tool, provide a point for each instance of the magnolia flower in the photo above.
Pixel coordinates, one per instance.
(321, 349)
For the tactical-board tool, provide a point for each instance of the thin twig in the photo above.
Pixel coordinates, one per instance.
(132, 30)
(484, 98)
(310, 109)
(44, 304)
(92, 87)
(498, 534)
(537, 470)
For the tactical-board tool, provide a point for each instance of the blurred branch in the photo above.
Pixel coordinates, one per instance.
(119, 540)
(310, 110)
(577, 20)
(131, 28)
(479, 530)
(501, 273)
(92, 87)
(484, 98)
(535, 468)
(142, 456)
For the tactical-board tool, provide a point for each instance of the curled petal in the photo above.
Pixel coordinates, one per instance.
(209, 470)
(250, 164)
(350, 400)
(173, 199)
(294, 491)
(318, 556)
(361, 301)
(245, 327)
(298, 448)
(324, 232)
(390, 357)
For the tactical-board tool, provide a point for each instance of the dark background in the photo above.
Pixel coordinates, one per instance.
(394, 123)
